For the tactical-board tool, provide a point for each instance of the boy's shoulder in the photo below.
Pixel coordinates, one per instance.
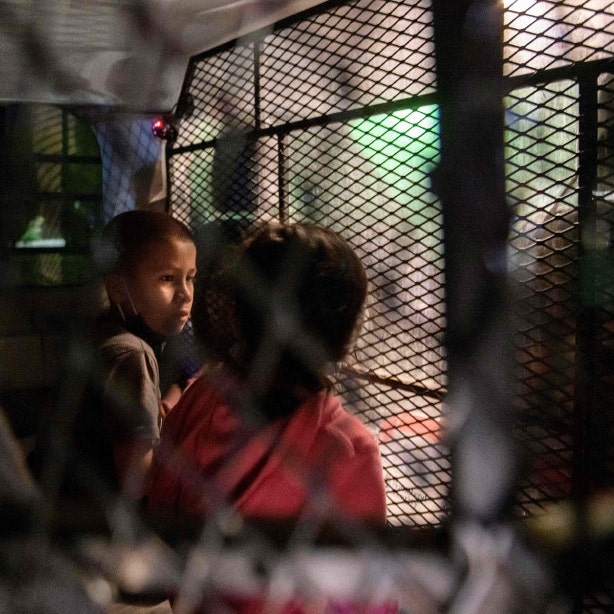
(114, 340)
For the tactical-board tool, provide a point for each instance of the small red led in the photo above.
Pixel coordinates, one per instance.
(164, 129)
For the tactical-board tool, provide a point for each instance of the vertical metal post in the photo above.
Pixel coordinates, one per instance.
(281, 176)
(585, 402)
(256, 76)
(470, 182)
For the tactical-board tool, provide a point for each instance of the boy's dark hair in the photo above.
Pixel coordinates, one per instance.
(297, 294)
(125, 237)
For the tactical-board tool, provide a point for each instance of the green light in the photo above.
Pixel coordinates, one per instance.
(403, 147)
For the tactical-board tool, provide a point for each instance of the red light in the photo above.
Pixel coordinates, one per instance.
(164, 129)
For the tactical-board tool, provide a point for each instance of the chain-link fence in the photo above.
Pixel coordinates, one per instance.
(333, 116)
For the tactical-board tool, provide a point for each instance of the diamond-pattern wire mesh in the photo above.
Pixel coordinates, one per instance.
(221, 96)
(368, 178)
(336, 175)
(551, 34)
(542, 133)
(356, 55)
(336, 179)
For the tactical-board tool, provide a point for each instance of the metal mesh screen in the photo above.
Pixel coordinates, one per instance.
(332, 120)
(359, 54)
(344, 59)
(546, 34)
(542, 145)
(221, 96)
(336, 178)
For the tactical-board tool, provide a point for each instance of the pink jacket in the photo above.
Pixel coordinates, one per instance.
(207, 456)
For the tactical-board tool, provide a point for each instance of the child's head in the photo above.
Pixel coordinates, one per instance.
(148, 260)
(299, 293)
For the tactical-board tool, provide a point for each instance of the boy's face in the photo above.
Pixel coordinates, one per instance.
(161, 286)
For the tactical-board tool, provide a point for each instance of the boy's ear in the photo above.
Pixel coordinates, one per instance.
(115, 286)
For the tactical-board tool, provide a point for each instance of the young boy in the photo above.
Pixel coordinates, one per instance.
(111, 408)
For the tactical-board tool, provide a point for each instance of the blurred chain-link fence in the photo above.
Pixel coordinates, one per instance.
(333, 116)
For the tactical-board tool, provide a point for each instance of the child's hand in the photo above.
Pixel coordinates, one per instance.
(169, 400)
(164, 408)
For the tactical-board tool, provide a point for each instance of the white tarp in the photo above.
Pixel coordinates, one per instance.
(131, 53)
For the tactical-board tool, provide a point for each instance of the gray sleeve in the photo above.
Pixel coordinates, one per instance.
(132, 395)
